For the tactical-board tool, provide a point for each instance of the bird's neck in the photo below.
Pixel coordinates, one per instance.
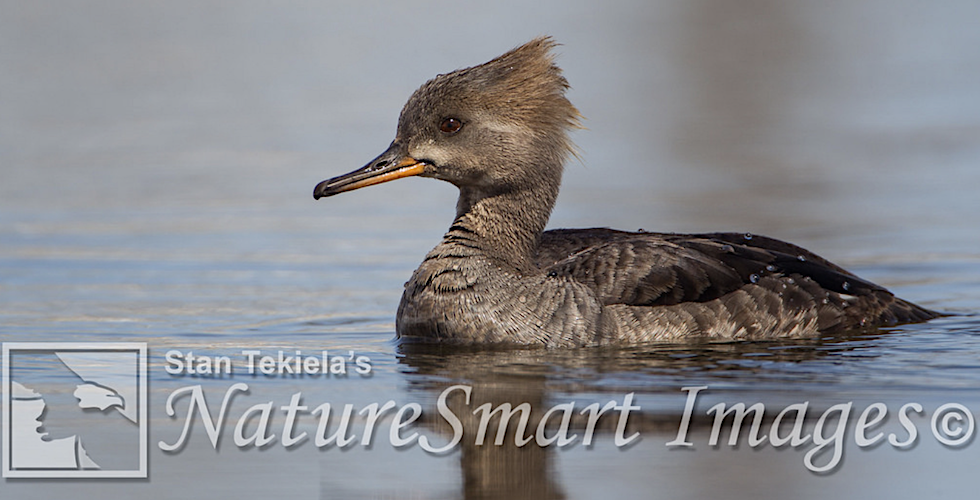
(504, 226)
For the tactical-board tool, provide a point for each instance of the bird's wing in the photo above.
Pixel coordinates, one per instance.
(649, 269)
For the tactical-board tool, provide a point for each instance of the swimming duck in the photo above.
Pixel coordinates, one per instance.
(499, 132)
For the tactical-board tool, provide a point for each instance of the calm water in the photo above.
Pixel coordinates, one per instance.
(157, 166)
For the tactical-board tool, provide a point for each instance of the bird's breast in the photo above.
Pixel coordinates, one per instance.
(472, 300)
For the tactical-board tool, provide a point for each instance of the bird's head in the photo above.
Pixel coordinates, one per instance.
(496, 127)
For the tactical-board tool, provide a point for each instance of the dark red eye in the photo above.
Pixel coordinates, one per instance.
(450, 126)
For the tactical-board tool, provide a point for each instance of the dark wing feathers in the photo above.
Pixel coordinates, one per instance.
(644, 271)
(791, 259)
(761, 256)
(647, 269)
(758, 281)
(640, 269)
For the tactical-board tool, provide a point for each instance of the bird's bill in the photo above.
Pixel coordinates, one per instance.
(389, 166)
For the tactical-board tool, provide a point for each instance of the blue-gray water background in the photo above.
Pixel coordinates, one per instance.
(157, 162)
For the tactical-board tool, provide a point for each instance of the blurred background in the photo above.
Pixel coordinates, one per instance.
(157, 162)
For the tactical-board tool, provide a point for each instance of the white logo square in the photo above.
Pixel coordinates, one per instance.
(74, 409)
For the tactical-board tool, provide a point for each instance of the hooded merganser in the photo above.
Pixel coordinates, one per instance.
(499, 132)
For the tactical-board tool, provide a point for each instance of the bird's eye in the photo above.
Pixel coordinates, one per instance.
(450, 126)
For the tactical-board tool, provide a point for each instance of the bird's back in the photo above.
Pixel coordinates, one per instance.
(657, 286)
